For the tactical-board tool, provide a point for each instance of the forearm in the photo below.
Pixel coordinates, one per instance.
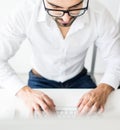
(9, 79)
(108, 44)
(111, 77)
(11, 37)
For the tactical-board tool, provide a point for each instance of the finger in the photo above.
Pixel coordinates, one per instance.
(41, 95)
(31, 113)
(101, 110)
(49, 102)
(90, 103)
(79, 103)
(44, 106)
(85, 110)
(82, 105)
(93, 110)
(38, 110)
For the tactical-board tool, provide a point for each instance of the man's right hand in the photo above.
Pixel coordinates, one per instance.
(36, 101)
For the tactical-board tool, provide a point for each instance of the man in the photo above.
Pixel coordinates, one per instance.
(60, 33)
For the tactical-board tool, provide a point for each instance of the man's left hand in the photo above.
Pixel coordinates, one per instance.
(94, 100)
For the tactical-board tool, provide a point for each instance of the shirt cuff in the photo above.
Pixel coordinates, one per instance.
(111, 80)
(13, 84)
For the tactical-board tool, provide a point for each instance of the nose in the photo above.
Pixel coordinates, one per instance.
(66, 18)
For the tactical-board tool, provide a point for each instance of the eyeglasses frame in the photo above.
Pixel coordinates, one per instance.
(67, 11)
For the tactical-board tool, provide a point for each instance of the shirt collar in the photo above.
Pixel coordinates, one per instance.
(82, 20)
(42, 14)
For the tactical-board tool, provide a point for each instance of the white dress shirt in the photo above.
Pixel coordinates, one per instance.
(54, 57)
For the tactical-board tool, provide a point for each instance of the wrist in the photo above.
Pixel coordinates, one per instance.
(105, 88)
(23, 90)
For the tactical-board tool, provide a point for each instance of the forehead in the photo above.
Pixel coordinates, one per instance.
(63, 3)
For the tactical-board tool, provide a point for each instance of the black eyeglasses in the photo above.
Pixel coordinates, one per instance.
(72, 12)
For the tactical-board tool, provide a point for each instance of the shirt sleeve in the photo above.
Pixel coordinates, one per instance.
(108, 43)
(12, 34)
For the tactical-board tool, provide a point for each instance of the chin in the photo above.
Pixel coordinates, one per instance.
(64, 25)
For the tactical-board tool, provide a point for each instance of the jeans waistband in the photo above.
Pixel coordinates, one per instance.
(81, 74)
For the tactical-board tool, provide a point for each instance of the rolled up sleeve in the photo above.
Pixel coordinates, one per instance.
(109, 45)
(12, 34)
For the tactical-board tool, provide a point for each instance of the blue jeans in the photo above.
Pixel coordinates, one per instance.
(82, 80)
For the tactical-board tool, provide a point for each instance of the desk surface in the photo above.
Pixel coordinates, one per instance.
(65, 97)
(78, 124)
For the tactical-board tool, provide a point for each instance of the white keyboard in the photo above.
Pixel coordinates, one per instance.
(61, 112)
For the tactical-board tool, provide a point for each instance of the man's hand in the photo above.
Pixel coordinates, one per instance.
(94, 100)
(36, 101)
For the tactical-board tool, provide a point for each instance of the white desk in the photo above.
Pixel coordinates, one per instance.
(10, 105)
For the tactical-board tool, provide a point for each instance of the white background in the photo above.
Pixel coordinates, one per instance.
(21, 61)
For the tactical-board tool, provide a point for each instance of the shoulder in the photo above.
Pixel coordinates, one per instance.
(29, 2)
(101, 18)
(26, 8)
(100, 13)
(27, 5)
(98, 8)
